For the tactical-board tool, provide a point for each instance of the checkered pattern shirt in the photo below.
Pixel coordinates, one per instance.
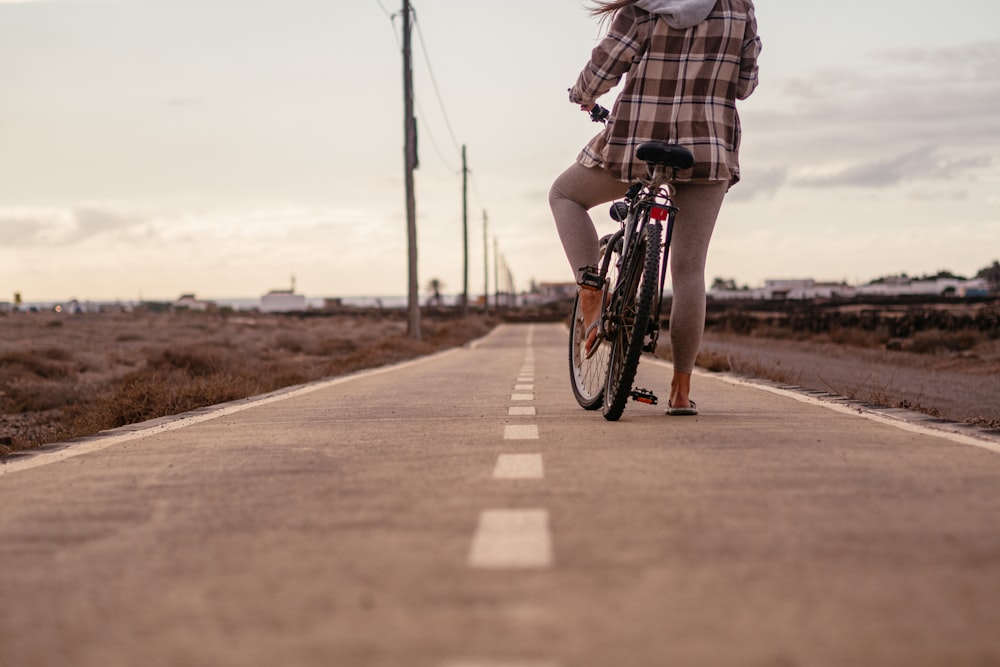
(681, 87)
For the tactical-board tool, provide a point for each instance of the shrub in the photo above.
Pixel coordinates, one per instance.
(933, 342)
(196, 360)
(145, 395)
(49, 363)
(37, 396)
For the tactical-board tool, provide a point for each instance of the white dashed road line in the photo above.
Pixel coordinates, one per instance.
(512, 540)
(520, 432)
(519, 466)
(504, 663)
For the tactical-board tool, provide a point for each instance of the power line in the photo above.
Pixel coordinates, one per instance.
(434, 143)
(475, 189)
(423, 115)
(391, 16)
(437, 91)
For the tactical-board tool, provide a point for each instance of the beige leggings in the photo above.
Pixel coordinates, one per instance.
(579, 189)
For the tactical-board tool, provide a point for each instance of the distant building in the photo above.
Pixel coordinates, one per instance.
(807, 288)
(976, 287)
(190, 302)
(903, 286)
(282, 301)
(791, 289)
(550, 292)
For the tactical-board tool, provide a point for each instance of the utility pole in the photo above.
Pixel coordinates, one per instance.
(511, 290)
(410, 156)
(465, 234)
(486, 267)
(496, 272)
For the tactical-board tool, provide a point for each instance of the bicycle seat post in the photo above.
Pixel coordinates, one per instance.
(656, 174)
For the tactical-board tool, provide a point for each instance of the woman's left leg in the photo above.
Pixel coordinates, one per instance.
(573, 194)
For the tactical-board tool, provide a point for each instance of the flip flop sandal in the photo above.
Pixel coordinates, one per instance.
(682, 412)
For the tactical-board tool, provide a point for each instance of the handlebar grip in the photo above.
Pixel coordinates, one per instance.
(599, 114)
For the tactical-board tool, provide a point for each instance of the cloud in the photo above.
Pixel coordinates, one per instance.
(38, 2)
(758, 182)
(94, 221)
(922, 164)
(182, 102)
(911, 115)
(32, 227)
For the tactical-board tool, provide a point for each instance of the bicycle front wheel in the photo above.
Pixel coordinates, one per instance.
(588, 376)
(635, 300)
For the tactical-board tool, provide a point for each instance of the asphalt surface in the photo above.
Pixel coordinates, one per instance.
(462, 511)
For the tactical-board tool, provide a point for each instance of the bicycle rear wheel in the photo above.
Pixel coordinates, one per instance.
(629, 330)
(588, 376)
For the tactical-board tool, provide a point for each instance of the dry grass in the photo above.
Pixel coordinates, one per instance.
(68, 376)
(884, 394)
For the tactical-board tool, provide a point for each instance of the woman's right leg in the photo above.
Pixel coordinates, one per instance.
(574, 193)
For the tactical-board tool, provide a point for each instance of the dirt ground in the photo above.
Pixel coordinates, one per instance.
(963, 386)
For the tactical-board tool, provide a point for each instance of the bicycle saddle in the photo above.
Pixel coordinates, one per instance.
(669, 155)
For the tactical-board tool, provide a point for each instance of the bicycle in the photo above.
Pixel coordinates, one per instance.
(631, 277)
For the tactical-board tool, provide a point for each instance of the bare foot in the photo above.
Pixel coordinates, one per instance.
(680, 390)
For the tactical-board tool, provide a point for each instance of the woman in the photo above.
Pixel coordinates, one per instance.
(685, 63)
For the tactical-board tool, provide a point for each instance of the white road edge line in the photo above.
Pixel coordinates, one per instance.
(848, 410)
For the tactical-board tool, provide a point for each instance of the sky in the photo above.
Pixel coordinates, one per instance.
(150, 148)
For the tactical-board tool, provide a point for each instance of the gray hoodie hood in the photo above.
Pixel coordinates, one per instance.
(679, 13)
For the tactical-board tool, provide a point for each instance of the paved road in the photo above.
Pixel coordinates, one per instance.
(463, 512)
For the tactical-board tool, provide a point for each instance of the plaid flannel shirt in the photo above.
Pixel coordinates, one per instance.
(681, 87)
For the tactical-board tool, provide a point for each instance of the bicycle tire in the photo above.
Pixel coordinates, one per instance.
(589, 376)
(627, 341)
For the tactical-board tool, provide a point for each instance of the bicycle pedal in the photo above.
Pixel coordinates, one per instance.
(644, 396)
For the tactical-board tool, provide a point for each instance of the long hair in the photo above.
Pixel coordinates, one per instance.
(606, 8)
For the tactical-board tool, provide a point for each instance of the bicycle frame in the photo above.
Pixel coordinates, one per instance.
(651, 201)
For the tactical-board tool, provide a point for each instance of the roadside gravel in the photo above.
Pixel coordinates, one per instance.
(960, 387)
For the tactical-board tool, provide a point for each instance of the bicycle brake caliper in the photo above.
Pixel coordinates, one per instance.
(644, 396)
